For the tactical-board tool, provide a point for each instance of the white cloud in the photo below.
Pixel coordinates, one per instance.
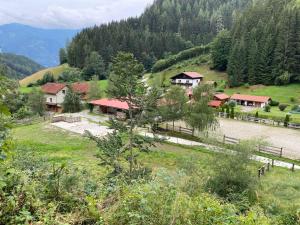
(68, 13)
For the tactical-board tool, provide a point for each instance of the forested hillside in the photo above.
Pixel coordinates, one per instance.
(17, 66)
(266, 44)
(165, 27)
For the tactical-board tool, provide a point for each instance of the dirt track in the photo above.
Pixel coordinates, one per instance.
(289, 139)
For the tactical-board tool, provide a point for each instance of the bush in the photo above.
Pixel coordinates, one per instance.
(274, 103)
(282, 107)
(267, 108)
(22, 113)
(163, 64)
(292, 99)
(287, 120)
(295, 108)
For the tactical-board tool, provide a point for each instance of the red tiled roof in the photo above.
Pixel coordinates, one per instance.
(113, 103)
(193, 74)
(52, 88)
(81, 88)
(251, 98)
(215, 103)
(221, 96)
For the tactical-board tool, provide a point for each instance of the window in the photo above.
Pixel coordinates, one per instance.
(64, 92)
(50, 99)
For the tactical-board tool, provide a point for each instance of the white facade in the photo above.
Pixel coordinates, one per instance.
(190, 82)
(251, 103)
(56, 99)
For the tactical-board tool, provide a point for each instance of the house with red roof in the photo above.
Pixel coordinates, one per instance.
(251, 100)
(54, 95)
(82, 89)
(187, 79)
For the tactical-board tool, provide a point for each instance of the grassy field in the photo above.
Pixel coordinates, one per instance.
(280, 188)
(38, 75)
(283, 94)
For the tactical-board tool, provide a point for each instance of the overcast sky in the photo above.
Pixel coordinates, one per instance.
(68, 13)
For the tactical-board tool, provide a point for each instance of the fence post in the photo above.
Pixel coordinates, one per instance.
(263, 170)
(259, 173)
(224, 137)
(293, 167)
(268, 166)
(281, 149)
(273, 162)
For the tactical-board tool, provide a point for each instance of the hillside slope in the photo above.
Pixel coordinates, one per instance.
(167, 26)
(38, 75)
(17, 66)
(40, 45)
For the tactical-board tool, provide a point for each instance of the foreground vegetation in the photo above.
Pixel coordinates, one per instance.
(177, 186)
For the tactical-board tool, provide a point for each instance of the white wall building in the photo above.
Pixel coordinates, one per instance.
(187, 79)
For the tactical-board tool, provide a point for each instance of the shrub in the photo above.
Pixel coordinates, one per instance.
(267, 108)
(163, 64)
(256, 114)
(295, 108)
(292, 99)
(287, 120)
(274, 103)
(282, 107)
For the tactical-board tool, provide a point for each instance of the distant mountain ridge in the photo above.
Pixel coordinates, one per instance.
(17, 66)
(38, 44)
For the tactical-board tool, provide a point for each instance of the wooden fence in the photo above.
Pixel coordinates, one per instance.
(261, 148)
(261, 120)
(267, 166)
(180, 129)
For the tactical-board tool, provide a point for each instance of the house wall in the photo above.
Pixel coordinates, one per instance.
(191, 82)
(58, 98)
(254, 104)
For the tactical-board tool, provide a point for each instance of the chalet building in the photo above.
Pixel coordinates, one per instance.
(187, 79)
(112, 106)
(250, 100)
(82, 89)
(221, 97)
(54, 96)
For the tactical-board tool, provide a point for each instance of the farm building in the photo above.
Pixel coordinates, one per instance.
(215, 103)
(54, 95)
(187, 79)
(221, 97)
(111, 106)
(250, 100)
(82, 89)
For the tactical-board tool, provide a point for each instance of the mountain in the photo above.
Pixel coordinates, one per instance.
(166, 27)
(40, 45)
(17, 66)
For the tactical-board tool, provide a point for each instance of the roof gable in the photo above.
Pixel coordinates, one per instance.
(113, 103)
(189, 75)
(221, 96)
(52, 88)
(81, 88)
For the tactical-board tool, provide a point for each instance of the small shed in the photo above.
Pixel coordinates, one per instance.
(251, 100)
(111, 106)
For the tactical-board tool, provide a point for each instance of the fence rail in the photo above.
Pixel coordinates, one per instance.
(180, 129)
(249, 118)
(261, 148)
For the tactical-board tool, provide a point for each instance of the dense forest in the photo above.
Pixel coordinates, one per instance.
(16, 66)
(168, 26)
(266, 44)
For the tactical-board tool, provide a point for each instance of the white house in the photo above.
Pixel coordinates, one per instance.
(187, 79)
(54, 95)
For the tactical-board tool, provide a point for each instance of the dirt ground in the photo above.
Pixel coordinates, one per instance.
(289, 139)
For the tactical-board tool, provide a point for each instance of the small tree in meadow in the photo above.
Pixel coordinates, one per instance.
(282, 107)
(175, 104)
(267, 108)
(121, 154)
(37, 102)
(199, 115)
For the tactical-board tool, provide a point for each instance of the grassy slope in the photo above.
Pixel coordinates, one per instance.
(188, 65)
(38, 75)
(280, 187)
